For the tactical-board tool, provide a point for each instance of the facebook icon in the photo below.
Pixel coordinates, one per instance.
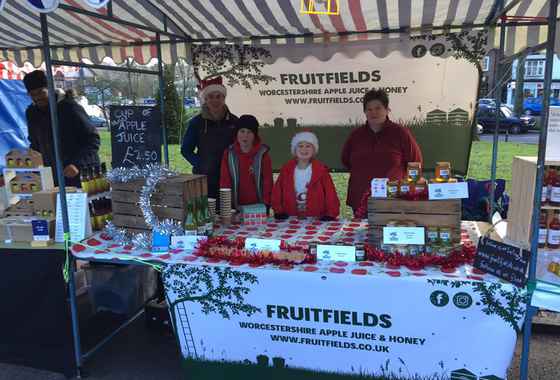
(439, 298)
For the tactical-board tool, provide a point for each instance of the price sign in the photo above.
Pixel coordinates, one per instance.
(135, 136)
(502, 260)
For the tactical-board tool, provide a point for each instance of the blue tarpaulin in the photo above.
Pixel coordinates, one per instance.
(13, 125)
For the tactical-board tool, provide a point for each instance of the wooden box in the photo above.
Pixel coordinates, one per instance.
(444, 213)
(522, 193)
(169, 201)
(24, 158)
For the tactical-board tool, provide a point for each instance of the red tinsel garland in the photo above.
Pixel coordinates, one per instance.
(242, 256)
(457, 257)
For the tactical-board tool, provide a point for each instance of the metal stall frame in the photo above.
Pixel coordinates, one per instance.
(80, 357)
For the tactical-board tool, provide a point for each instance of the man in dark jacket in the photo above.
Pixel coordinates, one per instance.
(79, 140)
(209, 134)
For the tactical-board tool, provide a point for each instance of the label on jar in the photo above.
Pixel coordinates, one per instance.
(413, 173)
(445, 236)
(544, 195)
(553, 237)
(444, 173)
(555, 194)
(405, 189)
(432, 235)
(542, 235)
(392, 190)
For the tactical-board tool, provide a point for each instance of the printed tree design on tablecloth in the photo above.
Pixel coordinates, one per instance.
(492, 297)
(216, 289)
(236, 64)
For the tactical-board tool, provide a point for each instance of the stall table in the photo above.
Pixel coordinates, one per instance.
(330, 319)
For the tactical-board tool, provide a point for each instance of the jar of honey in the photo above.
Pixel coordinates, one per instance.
(393, 189)
(432, 235)
(553, 239)
(445, 236)
(414, 171)
(443, 171)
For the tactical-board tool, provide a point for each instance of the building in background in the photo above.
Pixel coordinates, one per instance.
(534, 78)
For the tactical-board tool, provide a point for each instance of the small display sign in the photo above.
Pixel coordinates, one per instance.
(336, 253)
(254, 244)
(404, 235)
(186, 242)
(456, 190)
(40, 230)
(502, 260)
(160, 242)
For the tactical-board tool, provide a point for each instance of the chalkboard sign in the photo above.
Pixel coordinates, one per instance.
(135, 136)
(502, 260)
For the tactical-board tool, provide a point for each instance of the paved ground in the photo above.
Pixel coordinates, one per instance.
(531, 137)
(138, 354)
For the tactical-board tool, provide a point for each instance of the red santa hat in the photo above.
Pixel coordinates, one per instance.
(305, 136)
(205, 87)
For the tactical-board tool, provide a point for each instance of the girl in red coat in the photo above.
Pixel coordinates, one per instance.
(304, 187)
(246, 166)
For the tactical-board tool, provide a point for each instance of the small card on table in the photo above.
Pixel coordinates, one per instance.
(254, 244)
(336, 253)
(456, 190)
(404, 235)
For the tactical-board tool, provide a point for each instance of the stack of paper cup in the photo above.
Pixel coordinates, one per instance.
(212, 208)
(225, 205)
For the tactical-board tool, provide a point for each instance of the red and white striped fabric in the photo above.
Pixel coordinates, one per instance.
(9, 70)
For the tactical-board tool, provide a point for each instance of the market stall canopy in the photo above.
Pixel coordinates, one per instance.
(81, 34)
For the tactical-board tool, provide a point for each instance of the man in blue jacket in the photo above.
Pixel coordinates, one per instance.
(79, 140)
(209, 133)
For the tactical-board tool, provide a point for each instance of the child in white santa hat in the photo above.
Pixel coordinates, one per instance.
(304, 187)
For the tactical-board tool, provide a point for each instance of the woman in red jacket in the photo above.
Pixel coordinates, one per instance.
(304, 187)
(246, 166)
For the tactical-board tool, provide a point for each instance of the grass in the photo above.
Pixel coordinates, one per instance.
(206, 370)
(479, 164)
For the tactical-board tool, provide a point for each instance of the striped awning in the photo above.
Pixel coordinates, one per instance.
(77, 35)
(519, 38)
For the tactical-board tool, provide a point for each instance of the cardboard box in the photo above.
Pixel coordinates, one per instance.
(19, 229)
(24, 158)
(25, 183)
(44, 202)
(23, 207)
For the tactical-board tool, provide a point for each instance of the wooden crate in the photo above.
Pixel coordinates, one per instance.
(445, 213)
(168, 201)
(522, 193)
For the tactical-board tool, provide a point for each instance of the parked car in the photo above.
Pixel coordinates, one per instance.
(98, 122)
(486, 102)
(533, 106)
(486, 116)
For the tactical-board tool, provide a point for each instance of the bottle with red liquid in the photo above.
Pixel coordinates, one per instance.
(554, 185)
(553, 239)
(543, 229)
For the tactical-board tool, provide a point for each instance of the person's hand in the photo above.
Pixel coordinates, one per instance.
(281, 216)
(326, 218)
(71, 171)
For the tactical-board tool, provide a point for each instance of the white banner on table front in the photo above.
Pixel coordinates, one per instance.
(343, 323)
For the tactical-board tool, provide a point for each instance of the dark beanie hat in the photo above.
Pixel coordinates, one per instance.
(249, 122)
(34, 80)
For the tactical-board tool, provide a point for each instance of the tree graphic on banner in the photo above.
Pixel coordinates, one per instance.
(492, 297)
(236, 64)
(217, 290)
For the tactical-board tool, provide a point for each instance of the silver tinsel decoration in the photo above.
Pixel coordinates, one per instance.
(153, 173)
